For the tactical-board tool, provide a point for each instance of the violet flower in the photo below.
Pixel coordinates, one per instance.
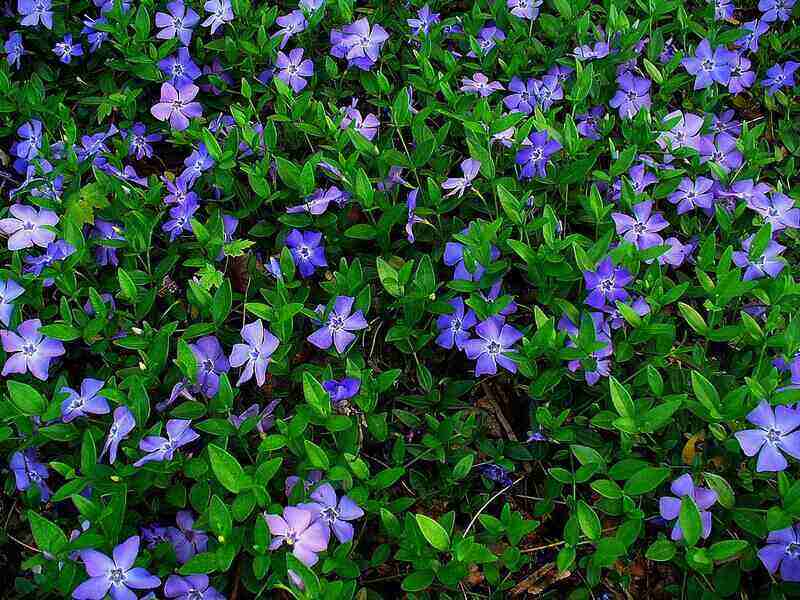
(318, 202)
(458, 185)
(66, 49)
(26, 227)
(307, 251)
(768, 263)
(413, 219)
(180, 218)
(607, 284)
(221, 13)
(722, 150)
(55, 252)
(191, 587)
(290, 24)
(780, 75)
(339, 326)
(334, 513)
(524, 9)
(423, 22)
(709, 66)
(480, 84)
(29, 471)
(741, 76)
(691, 194)
(683, 134)
(179, 433)
(487, 39)
(782, 551)
(314, 477)
(29, 350)
(523, 97)
(180, 68)
(454, 257)
(642, 229)
(495, 339)
(255, 353)
(632, 96)
(546, 91)
(115, 576)
(749, 41)
(535, 154)
(359, 43)
(139, 141)
(34, 12)
(197, 163)
(10, 290)
(587, 123)
(179, 23)
(293, 69)
(14, 49)
(670, 506)
(186, 540)
(342, 390)
(296, 529)
(776, 434)
(123, 424)
(677, 253)
(366, 126)
(776, 10)
(211, 363)
(88, 401)
(106, 230)
(454, 328)
(778, 210)
(176, 105)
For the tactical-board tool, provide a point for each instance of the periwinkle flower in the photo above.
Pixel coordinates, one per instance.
(55, 252)
(106, 230)
(158, 448)
(495, 339)
(413, 219)
(333, 512)
(293, 70)
(66, 49)
(318, 202)
(709, 66)
(600, 49)
(296, 529)
(30, 140)
(684, 133)
(678, 252)
(423, 22)
(221, 13)
(366, 126)
(139, 141)
(181, 216)
(115, 576)
(487, 39)
(632, 96)
(749, 41)
(741, 76)
(691, 194)
(782, 552)
(26, 227)
(454, 328)
(524, 9)
(722, 150)
(454, 257)
(607, 284)
(535, 154)
(768, 264)
(778, 210)
(29, 471)
(339, 326)
(615, 320)
(313, 478)
(780, 75)
(186, 540)
(725, 122)
(311, 6)
(496, 473)
(480, 84)
(180, 68)
(359, 43)
(211, 363)
(122, 425)
(266, 418)
(523, 96)
(458, 185)
(178, 23)
(341, 390)
(587, 123)
(670, 506)
(290, 24)
(177, 106)
(29, 350)
(776, 434)
(34, 12)
(10, 290)
(89, 401)
(546, 91)
(197, 163)
(723, 10)
(255, 354)
(95, 36)
(191, 587)
(14, 49)
(642, 228)
(307, 251)
(776, 10)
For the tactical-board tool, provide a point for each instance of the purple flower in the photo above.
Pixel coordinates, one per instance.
(116, 575)
(741, 75)
(314, 477)
(587, 123)
(454, 257)
(723, 10)
(495, 339)
(307, 251)
(340, 391)
(311, 6)
(180, 68)
(774, 10)
(493, 295)
(677, 253)
(709, 66)
(782, 551)
(266, 418)
(615, 319)
(413, 219)
(290, 24)
(523, 97)
(425, 19)
(176, 105)
(293, 69)
(778, 210)
(179, 433)
(683, 134)
(480, 84)
(334, 513)
(535, 154)
(722, 150)
(775, 434)
(359, 43)
(766, 264)
(339, 326)
(496, 473)
(106, 230)
(123, 424)
(725, 122)
(93, 145)
(749, 42)
(780, 76)
(691, 194)
(750, 192)
(197, 163)
(14, 49)
(392, 180)
(607, 284)
(487, 39)
(547, 91)
(26, 227)
(524, 9)
(10, 290)
(296, 529)
(55, 252)
(217, 69)
(29, 349)
(186, 540)
(221, 13)
(600, 49)
(65, 49)
(255, 353)
(318, 202)
(139, 141)
(211, 363)
(633, 95)
(191, 587)
(458, 185)
(641, 229)
(30, 139)
(88, 401)
(670, 506)
(180, 218)
(108, 5)
(95, 36)
(366, 126)
(178, 23)
(34, 12)
(454, 328)
(29, 471)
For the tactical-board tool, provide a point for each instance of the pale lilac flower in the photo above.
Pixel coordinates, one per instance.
(123, 424)
(782, 551)
(633, 95)
(685, 133)
(607, 284)
(197, 163)
(14, 49)
(339, 326)
(600, 49)
(776, 434)
(29, 350)
(487, 39)
(34, 12)
(179, 433)
(290, 24)
(318, 202)
(55, 252)
(359, 43)
(778, 210)
(255, 354)
(179, 23)
(524, 9)
(296, 529)
(523, 97)
(211, 363)
(333, 512)
(293, 69)
(186, 540)
(458, 185)
(642, 229)
(95, 36)
(106, 230)
(30, 140)
(115, 576)
(768, 263)
(722, 150)
(88, 401)
(546, 91)
(191, 587)
(535, 154)
(314, 477)
(221, 13)
(29, 471)
(723, 10)
(709, 66)
(139, 141)
(454, 257)
(726, 122)
(177, 105)
(670, 506)
(677, 253)
(741, 76)
(392, 180)
(776, 10)
(480, 84)
(10, 290)
(341, 390)
(366, 126)
(615, 320)
(505, 137)
(691, 194)
(423, 22)
(495, 339)
(749, 42)
(311, 6)
(780, 75)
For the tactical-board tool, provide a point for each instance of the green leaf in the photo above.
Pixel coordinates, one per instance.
(27, 400)
(661, 551)
(315, 395)
(706, 393)
(646, 480)
(60, 331)
(588, 520)
(220, 517)
(723, 489)
(621, 398)
(727, 549)
(433, 532)
(693, 318)
(316, 455)
(126, 285)
(48, 536)
(690, 522)
(417, 581)
(226, 468)
(463, 467)
(223, 300)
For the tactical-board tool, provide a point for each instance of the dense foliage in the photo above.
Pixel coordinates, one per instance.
(363, 300)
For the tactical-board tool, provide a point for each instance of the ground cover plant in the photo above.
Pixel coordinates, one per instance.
(339, 299)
